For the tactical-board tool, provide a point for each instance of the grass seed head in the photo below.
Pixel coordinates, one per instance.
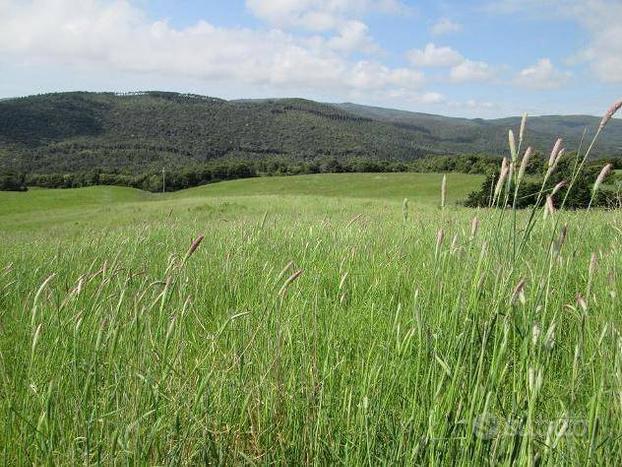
(535, 334)
(554, 161)
(193, 247)
(443, 191)
(474, 227)
(563, 233)
(592, 266)
(558, 187)
(289, 280)
(512, 142)
(440, 235)
(35, 339)
(523, 164)
(505, 168)
(549, 207)
(549, 338)
(523, 125)
(343, 281)
(405, 209)
(610, 113)
(590, 275)
(581, 302)
(555, 152)
(454, 243)
(605, 171)
(535, 380)
(518, 293)
(559, 243)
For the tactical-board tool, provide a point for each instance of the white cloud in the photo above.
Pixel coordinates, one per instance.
(542, 75)
(432, 98)
(372, 75)
(85, 34)
(353, 36)
(435, 56)
(604, 52)
(470, 70)
(462, 70)
(318, 15)
(600, 18)
(321, 16)
(403, 98)
(445, 26)
(472, 104)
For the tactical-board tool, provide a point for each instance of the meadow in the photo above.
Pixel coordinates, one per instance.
(307, 320)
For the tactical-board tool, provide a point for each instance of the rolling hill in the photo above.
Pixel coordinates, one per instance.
(139, 132)
(490, 136)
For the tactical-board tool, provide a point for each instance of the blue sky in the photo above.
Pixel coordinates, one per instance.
(479, 58)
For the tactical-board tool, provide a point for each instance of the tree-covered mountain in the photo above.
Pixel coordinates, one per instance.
(490, 136)
(141, 132)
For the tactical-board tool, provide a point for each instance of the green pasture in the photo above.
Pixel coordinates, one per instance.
(319, 321)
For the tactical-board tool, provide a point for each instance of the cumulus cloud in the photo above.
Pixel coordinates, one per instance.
(372, 75)
(118, 36)
(470, 70)
(318, 15)
(473, 105)
(604, 51)
(400, 97)
(462, 70)
(445, 26)
(434, 56)
(354, 36)
(600, 18)
(542, 75)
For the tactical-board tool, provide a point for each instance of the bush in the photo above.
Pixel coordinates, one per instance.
(11, 181)
(578, 198)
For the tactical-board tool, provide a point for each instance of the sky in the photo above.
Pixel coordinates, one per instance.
(470, 58)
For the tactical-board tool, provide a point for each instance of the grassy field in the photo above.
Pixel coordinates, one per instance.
(117, 206)
(344, 328)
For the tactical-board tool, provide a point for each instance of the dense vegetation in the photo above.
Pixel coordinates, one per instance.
(256, 322)
(534, 189)
(141, 133)
(12, 181)
(72, 132)
(220, 170)
(305, 329)
(230, 169)
(461, 135)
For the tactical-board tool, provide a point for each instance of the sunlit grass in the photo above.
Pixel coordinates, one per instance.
(406, 339)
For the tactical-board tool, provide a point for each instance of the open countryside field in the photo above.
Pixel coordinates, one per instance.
(94, 205)
(343, 328)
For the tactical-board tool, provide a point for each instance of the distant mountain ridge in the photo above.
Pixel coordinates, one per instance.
(136, 132)
(543, 130)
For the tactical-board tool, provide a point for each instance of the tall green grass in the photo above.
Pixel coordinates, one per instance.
(313, 330)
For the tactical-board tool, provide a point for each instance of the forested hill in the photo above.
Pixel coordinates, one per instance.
(141, 132)
(490, 136)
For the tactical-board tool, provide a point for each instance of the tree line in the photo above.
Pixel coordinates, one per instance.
(534, 189)
(175, 179)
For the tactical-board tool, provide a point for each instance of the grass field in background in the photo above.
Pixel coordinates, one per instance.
(305, 329)
(110, 206)
(423, 188)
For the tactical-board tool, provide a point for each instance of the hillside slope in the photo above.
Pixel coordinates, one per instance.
(70, 132)
(490, 136)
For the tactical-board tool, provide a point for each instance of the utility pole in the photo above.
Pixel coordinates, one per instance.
(163, 180)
